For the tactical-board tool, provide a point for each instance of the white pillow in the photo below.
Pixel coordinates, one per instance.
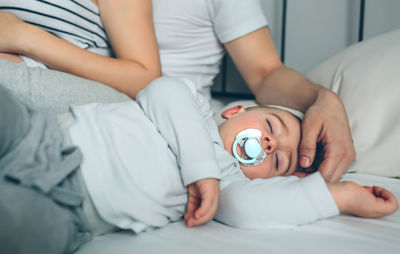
(366, 76)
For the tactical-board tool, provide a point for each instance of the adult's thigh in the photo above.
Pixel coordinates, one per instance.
(14, 120)
(54, 91)
(32, 222)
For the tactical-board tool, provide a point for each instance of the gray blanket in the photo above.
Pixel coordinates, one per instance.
(32, 156)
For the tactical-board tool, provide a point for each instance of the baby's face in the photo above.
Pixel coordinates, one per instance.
(280, 138)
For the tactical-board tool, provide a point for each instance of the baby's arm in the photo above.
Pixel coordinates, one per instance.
(286, 202)
(363, 201)
(278, 202)
(183, 120)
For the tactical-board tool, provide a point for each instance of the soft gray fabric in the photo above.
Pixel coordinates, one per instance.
(14, 122)
(39, 192)
(33, 223)
(53, 90)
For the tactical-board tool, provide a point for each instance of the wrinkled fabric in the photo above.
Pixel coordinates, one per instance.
(32, 157)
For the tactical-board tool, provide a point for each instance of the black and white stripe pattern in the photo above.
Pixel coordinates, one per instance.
(77, 21)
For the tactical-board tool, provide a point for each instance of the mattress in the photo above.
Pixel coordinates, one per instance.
(340, 234)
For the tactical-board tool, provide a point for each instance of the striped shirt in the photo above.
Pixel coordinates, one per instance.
(77, 21)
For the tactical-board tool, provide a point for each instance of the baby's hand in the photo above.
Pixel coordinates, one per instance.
(364, 201)
(203, 201)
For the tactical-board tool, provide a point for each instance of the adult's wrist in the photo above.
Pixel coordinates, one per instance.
(327, 95)
(286, 87)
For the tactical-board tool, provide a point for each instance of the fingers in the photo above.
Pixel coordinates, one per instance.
(386, 195)
(193, 205)
(326, 122)
(204, 213)
(331, 167)
(381, 192)
(336, 158)
(308, 143)
(203, 202)
(385, 202)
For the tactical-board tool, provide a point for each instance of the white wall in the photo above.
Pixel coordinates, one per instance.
(381, 16)
(318, 29)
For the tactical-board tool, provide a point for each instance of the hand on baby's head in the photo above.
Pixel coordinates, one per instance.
(279, 139)
(319, 156)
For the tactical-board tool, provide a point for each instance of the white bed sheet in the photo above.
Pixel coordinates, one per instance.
(341, 234)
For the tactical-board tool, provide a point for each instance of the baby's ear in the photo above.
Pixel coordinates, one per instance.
(232, 111)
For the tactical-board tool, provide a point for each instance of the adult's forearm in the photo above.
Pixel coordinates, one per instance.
(125, 75)
(286, 87)
(11, 57)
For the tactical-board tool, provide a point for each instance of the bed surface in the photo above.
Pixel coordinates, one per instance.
(341, 234)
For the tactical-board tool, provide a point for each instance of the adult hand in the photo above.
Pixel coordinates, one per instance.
(326, 122)
(202, 202)
(10, 26)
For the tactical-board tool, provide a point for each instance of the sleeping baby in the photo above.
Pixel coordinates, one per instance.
(139, 165)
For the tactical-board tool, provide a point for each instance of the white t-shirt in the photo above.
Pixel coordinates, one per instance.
(138, 158)
(191, 33)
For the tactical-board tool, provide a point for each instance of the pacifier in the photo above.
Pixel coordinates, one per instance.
(249, 142)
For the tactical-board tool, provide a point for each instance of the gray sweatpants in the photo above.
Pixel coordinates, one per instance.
(32, 221)
(54, 91)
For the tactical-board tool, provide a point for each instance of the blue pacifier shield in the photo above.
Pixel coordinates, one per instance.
(249, 143)
(252, 148)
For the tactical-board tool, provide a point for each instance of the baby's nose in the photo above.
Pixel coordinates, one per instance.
(269, 143)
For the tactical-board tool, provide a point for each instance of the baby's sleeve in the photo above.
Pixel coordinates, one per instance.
(182, 118)
(279, 202)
